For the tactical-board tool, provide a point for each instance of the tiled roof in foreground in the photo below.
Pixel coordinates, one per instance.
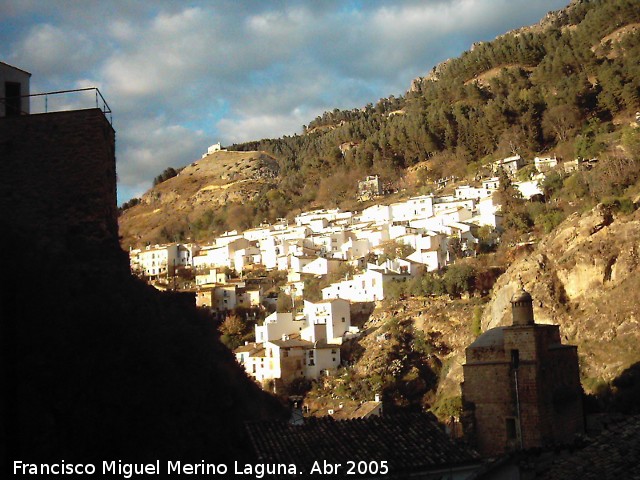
(615, 453)
(408, 442)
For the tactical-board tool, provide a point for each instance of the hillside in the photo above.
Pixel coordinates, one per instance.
(170, 209)
(563, 87)
(568, 87)
(581, 277)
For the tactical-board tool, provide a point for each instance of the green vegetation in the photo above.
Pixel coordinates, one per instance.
(401, 366)
(476, 325)
(550, 87)
(467, 276)
(126, 205)
(166, 175)
(447, 407)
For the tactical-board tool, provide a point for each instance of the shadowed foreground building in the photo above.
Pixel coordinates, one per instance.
(94, 364)
(521, 386)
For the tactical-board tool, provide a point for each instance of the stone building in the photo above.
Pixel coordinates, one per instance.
(521, 386)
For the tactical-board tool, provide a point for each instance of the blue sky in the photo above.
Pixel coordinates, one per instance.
(180, 76)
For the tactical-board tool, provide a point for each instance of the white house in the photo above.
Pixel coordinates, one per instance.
(287, 358)
(413, 208)
(257, 233)
(363, 287)
(354, 248)
(432, 259)
(292, 346)
(333, 316)
(14, 91)
(448, 203)
(487, 213)
(328, 242)
(544, 164)
(222, 255)
(278, 324)
(322, 266)
(492, 183)
(211, 276)
(298, 262)
(331, 216)
(465, 192)
(528, 189)
(213, 149)
(247, 297)
(510, 164)
(373, 235)
(157, 261)
(375, 214)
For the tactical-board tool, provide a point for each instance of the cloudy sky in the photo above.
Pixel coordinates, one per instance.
(182, 75)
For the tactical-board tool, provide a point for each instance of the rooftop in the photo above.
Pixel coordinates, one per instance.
(409, 442)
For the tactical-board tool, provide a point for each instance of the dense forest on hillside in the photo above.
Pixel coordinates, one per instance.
(558, 86)
(566, 87)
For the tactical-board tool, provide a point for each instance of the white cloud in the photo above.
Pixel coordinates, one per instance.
(53, 51)
(256, 127)
(156, 144)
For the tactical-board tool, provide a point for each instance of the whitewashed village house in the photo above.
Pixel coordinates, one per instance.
(290, 346)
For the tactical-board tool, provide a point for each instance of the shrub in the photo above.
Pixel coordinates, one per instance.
(458, 279)
(622, 205)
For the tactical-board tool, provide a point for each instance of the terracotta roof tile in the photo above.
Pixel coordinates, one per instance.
(408, 442)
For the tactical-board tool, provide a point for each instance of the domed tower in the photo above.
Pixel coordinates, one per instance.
(522, 308)
(521, 386)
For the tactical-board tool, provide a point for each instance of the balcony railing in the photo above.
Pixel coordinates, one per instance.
(65, 100)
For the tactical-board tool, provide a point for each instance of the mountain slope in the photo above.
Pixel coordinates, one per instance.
(563, 87)
(169, 210)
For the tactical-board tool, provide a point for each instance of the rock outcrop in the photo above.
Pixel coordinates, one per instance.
(585, 277)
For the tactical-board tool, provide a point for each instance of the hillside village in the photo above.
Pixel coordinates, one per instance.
(357, 256)
(307, 288)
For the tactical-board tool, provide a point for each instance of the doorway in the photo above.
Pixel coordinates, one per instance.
(13, 100)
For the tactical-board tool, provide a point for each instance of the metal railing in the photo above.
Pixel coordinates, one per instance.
(80, 99)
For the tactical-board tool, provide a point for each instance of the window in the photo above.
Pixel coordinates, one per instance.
(515, 358)
(512, 431)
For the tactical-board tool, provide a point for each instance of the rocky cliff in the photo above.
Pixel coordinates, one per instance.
(585, 277)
